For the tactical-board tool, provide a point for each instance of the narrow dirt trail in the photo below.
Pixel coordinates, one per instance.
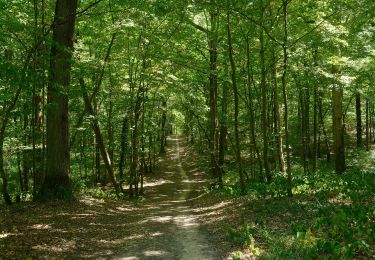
(169, 217)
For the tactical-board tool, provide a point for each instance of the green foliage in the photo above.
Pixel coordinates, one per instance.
(237, 255)
(242, 238)
(99, 193)
(329, 216)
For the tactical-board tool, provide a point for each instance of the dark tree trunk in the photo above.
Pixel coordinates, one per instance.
(57, 182)
(212, 44)
(358, 113)
(236, 106)
(223, 130)
(124, 146)
(99, 179)
(367, 125)
(265, 129)
(250, 80)
(315, 130)
(338, 129)
(285, 97)
(163, 124)
(4, 177)
(133, 188)
(277, 119)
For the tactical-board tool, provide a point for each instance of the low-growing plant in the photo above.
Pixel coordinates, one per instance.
(242, 238)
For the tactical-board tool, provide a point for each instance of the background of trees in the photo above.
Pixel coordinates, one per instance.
(270, 84)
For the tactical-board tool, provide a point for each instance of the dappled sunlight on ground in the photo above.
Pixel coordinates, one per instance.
(156, 183)
(164, 226)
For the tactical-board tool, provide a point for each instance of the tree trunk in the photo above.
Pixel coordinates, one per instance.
(367, 125)
(338, 129)
(358, 113)
(212, 45)
(4, 177)
(278, 127)
(124, 146)
(315, 130)
(110, 126)
(99, 138)
(134, 147)
(236, 105)
(265, 129)
(99, 179)
(57, 182)
(322, 126)
(163, 123)
(302, 99)
(251, 107)
(223, 129)
(285, 95)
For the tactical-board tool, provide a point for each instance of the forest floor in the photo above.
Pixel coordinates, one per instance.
(165, 225)
(177, 218)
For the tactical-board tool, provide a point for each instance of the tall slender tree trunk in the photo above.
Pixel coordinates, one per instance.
(163, 131)
(110, 120)
(123, 146)
(315, 130)
(338, 126)
(143, 152)
(285, 96)
(315, 119)
(322, 126)
(223, 128)
(367, 125)
(98, 177)
(212, 44)
(277, 119)
(134, 175)
(251, 107)
(358, 113)
(4, 176)
(236, 105)
(302, 100)
(265, 129)
(57, 182)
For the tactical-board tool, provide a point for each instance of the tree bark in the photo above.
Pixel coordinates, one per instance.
(250, 80)
(163, 123)
(4, 177)
(212, 44)
(367, 125)
(223, 129)
(315, 119)
(57, 183)
(338, 129)
(236, 105)
(278, 127)
(285, 96)
(265, 129)
(315, 130)
(358, 113)
(123, 146)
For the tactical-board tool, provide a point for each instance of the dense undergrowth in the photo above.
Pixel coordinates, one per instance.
(328, 217)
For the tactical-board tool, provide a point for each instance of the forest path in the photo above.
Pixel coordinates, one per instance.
(169, 219)
(163, 226)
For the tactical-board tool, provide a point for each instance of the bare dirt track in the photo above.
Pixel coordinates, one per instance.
(164, 226)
